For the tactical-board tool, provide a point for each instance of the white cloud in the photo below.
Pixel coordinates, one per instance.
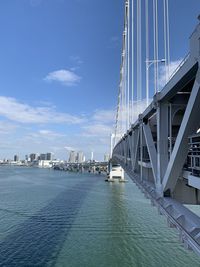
(138, 108)
(24, 113)
(48, 133)
(76, 59)
(25, 131)
(163, 72)
(95, 136)
(100, 125)
(69, 148)
(65, 77)
(7, 128)
(97, 130)
(42, 136)
(77, 62)
(104, 116)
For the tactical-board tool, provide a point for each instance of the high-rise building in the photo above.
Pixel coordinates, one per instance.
(43, 156)
(49, 156)
(16, 158)
(72, 157)
(80, 157)
(92, 156)
(33, 156)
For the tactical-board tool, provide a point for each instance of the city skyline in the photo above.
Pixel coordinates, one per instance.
(59, 75)
(73, 157)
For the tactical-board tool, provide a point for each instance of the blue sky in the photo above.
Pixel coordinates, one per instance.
(59, 71)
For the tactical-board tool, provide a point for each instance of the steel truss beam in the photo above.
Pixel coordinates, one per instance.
(189, 126)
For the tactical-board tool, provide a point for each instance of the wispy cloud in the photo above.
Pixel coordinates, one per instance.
(100, 125)
(69, 148)
(27, 128)
(65, 77)
(48, 133)
(77, 62)
(104, 116)
(7, 127)
(97, 130)
(14, 110)
(163, 72)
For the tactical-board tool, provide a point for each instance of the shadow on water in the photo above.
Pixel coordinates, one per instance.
(38, 240)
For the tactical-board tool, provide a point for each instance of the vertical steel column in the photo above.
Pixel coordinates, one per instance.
(162, 143)
(141, 148)
(170, 129)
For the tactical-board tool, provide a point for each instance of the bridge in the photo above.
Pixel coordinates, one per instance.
(157, 139)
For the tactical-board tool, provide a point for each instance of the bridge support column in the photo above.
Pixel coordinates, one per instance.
(110, 178)
(141, 150)
(135, 149)
(162, 143)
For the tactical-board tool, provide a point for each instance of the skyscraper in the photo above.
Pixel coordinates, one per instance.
(80, 157)
(92, 156)
(16, 158)
(49, 156)
(33, 157)
(42, 156)
(72, 156)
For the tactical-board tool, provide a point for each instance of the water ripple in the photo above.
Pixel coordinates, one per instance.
(38, 240)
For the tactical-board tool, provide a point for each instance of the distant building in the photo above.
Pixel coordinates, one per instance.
(16, 158)
(33, 157)
(106, 157)
(49, 156)
(92, 156)
(72, 157)
(42, 156)
(80, 157)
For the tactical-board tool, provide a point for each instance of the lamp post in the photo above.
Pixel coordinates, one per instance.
(149, 63)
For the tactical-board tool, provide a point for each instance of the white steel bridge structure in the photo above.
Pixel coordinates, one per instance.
(155, 126)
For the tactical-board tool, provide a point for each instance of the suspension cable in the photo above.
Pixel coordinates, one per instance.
(165, 40)
(147, 51)
(132, 33)
(155, 26)
(139, 80)
(168, 37)
(128, 63)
